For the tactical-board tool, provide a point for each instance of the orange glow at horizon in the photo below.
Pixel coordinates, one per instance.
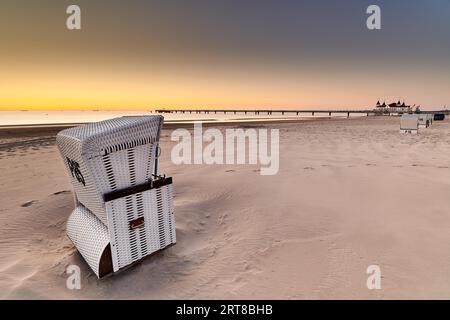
(43, 88)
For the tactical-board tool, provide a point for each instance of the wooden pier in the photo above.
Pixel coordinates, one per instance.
(266, 112)
(303, 112)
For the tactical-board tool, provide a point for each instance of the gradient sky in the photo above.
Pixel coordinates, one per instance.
(223, 53)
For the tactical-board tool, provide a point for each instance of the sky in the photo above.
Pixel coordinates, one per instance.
(140, 55)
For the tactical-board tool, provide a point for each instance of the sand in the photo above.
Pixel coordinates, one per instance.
(349, 194)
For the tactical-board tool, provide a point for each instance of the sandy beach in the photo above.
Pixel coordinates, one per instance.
(349, 194)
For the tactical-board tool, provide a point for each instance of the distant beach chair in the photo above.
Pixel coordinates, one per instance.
(124, 209)
(439, 117)
(409, 123)
(424, 120)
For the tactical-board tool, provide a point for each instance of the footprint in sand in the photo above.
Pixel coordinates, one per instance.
(230, 170)
(61, 192)
(29, 203)
(308, 168)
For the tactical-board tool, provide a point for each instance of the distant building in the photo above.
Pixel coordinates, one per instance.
(380, 108)
(396, 107)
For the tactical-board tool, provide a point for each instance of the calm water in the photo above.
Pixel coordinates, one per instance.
(9, 118)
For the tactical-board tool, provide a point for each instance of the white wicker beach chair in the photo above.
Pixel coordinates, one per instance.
(124, 210)
(424, 120)
(409, 123)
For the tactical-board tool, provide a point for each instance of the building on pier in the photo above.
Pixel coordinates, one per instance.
(395, 107)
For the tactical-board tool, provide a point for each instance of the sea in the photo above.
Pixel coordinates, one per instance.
(18, 118)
